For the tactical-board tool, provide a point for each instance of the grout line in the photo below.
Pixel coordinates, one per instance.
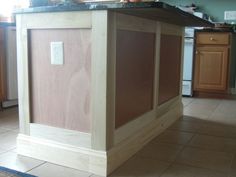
(188, 102)
(214, 110)
(8, 150)
(184, 146)
(216, 136)
(211, 150)
(36, 167)
(208, 169)
(169, 166)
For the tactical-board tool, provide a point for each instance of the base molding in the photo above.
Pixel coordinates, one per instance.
(9, 103)
(127, 148)
(97, 162)
(62, 154)
(233, 91)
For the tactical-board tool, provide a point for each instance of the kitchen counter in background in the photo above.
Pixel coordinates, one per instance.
(215, 63)
(8, 65)
(98, 81)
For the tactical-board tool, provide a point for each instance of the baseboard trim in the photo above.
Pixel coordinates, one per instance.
(233, 91)
(127, 148)
(9, 103)
(62, 154)
(97, 162)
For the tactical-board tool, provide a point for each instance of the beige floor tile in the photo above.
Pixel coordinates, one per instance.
(233, 168)
(49, 170)
(225, 113)
(217, 129)
(227, 106)
(163, 152)
(199, 110)
(199, 120)
(20, 163)
(8, 111)
(10, 123)
(178, 170)
(212, 160)
(142, 167)
(3, 130)
(223, 118)
(207, 102)
(187, 126)
(186, 101)
(13, 150)
(8, 140)
(214, 143)
(173, 137)
(2, 151)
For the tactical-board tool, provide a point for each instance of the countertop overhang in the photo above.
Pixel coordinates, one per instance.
(150, 10)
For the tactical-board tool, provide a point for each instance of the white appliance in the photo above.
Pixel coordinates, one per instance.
(11, 67)
(188, 62)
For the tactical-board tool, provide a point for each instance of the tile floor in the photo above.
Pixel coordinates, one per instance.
(201, 144)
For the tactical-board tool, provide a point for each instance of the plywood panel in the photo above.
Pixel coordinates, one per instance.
(60, 94)
(170, 61)
(134, 75)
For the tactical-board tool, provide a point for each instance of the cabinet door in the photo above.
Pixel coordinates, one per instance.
(211, 68)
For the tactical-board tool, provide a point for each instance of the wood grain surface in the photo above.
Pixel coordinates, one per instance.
(170, 62)
(60, 94)
(134, 75)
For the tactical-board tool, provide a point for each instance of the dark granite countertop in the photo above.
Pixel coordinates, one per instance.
(151, 10)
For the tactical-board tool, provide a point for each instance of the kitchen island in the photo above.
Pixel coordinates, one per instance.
(98, 81)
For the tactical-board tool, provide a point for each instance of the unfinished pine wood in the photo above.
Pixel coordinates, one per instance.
(23, 75)
(60, 135)
(135, 53)
(62, 20)
(170, 66)
(84, 159)
(102, 125)
(60, 94)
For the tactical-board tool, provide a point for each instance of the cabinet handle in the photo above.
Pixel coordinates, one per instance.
(211, 39)
(196, 52)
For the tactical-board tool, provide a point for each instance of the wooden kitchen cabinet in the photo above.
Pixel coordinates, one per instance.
(211, 68)
(213, 57)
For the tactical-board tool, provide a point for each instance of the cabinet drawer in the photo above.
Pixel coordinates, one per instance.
(213, 38)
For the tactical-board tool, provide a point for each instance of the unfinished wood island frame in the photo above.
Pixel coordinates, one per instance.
(110, 138)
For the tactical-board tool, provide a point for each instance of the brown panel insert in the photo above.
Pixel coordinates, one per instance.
(134, 75)
(60, 94)
(170, 61)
